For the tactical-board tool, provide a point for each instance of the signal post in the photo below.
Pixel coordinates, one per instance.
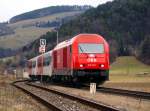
(42, 51)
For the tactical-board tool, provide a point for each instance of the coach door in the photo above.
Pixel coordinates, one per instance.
(47, 65)
(65, 56)
(34, 67)
(55, 59)
(69, 56)
(40, 66)
(29, 65)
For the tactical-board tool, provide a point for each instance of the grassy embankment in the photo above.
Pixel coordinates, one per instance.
(128, 69)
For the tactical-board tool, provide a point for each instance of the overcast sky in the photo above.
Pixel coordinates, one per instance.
(10, 8)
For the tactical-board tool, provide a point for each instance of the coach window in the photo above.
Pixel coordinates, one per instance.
(47, 61)
(33, 64)
(70, 49)
(44, 62)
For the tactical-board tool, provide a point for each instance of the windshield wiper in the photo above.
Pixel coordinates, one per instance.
(81, 49)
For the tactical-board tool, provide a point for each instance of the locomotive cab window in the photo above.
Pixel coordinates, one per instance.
(91, 48)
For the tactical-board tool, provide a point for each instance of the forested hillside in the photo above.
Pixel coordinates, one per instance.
(47, 11)
(124, 23)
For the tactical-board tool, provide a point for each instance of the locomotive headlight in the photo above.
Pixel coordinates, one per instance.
(102, 65)
(81, 65)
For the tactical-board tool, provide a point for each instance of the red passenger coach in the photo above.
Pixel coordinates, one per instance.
(40, 67)
(84, 58)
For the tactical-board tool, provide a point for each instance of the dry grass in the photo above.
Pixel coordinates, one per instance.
(22, 37)
(12, 99)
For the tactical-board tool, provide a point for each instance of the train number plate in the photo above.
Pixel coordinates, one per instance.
(91, 65)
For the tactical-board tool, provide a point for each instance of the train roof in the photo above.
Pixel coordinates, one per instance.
(32, 59)
(70, 41)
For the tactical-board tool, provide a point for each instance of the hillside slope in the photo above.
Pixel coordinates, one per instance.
(128, 65)
(5, 30)
(21, 37)
(129, 73)
(26, 30)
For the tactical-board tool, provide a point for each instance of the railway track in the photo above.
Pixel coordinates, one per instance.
(61, 101)
(130, 93)
(135, 94)
(38, 98)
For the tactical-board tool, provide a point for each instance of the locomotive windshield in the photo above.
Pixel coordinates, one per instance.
(91, 48)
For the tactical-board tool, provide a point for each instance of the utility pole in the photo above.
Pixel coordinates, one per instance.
(57, 31)
(57, 36)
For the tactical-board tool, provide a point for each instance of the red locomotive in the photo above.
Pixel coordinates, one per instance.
(84, 58)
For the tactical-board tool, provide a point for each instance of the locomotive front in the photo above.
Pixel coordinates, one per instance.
(90, 58)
